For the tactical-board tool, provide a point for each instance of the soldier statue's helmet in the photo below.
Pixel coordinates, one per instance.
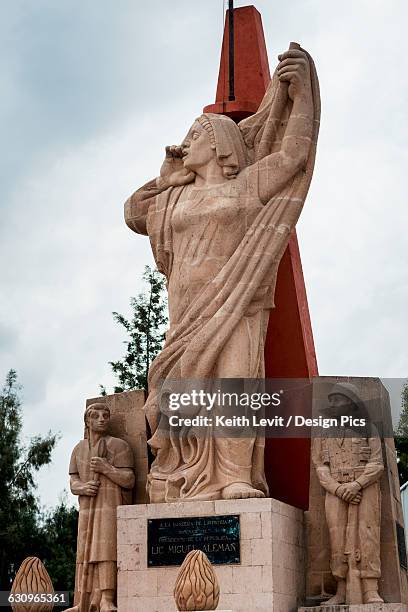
(358, 408)
(351, 392)
(348, 390)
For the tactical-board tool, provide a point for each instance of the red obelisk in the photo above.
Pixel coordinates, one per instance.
(289, 348)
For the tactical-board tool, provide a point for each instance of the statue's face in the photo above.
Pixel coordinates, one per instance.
(197, 148)
(98, 420)
(340, 405)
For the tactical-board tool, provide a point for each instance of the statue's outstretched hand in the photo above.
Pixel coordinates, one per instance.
(172, 172)
(294, 68)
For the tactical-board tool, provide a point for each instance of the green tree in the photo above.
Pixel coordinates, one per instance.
(145, 330)
(401, 438)
(19, 510)
(58, 535)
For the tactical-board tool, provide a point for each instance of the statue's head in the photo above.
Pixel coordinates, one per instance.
(97, 417)
(215, 136)
(344, 398)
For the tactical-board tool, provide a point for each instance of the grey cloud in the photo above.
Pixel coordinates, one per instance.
(8, 337)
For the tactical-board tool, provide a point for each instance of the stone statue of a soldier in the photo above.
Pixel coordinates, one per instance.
(102, 475)
(349, 468)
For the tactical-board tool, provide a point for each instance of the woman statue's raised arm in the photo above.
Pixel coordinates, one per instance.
(282, 145)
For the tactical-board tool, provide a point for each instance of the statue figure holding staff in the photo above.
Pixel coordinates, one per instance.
(102, 475)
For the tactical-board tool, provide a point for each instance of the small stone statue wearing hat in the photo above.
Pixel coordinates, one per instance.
(101, 471)
(349, 468)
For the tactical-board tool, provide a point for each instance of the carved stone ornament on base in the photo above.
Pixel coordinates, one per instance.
(219, 218)
(31, 578)
(197, 586)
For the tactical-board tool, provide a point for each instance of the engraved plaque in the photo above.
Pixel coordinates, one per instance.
(170, 539)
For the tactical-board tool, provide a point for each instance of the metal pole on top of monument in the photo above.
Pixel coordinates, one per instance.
(289, 348)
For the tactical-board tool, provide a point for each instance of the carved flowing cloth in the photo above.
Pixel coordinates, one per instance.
(194, 343)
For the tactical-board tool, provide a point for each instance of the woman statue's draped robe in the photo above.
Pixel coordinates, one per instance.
(219, 248)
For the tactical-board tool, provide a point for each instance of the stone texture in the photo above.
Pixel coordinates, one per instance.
(244, 187)
(143, 584)
(270, 576)
(166, 581)
(251, 523)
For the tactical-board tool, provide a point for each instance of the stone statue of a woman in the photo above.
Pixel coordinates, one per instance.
(219, 218)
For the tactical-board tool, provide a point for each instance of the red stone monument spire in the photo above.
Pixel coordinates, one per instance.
(289, 347)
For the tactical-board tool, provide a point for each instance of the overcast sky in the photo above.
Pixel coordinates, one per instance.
(92, 91)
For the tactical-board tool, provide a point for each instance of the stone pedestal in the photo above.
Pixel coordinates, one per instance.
(269, 577)
(381, 607)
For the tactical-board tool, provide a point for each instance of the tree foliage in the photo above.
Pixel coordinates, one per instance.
(145, 330)
(24, 530)
(58, 532)
(401, 438)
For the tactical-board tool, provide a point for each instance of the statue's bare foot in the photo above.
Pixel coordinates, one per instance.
(370, 591)
(339, 597)
(372, 597)
(333, 601)
(108, 606)
(108, 601)
(240, 490)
